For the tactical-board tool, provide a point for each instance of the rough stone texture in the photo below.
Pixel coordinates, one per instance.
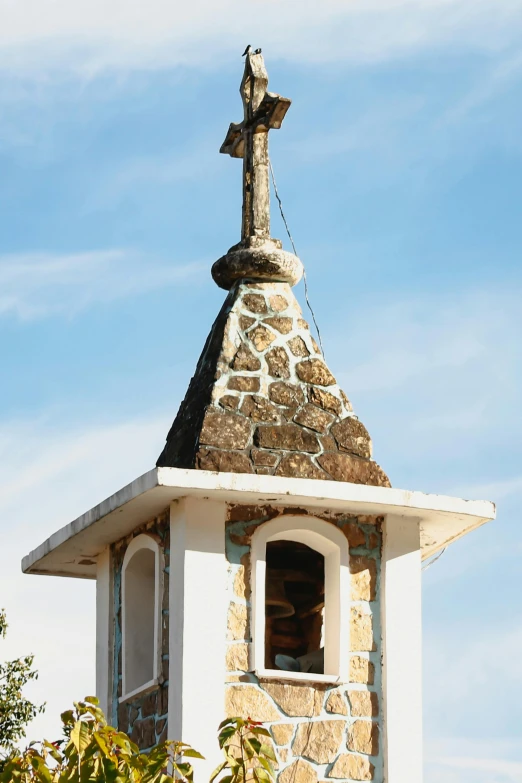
(264, 458)
(224, 430)
(278, 363)
(298, 346)
(299, 466)
(353, 436)
(237, 657)
(354, 534)
(315, 371)
(247, 701)
(363, 704)
(278, 303)
(246, 383)
(229, 401)
(298, 772)
(295, 700)
(258, 408)
(353, 767)
(314, 418)
(336, 703)
(255, 303)
(363, 737)
(283, 324)
(289, 437)
(223, 461)
(262, 338)
(361, 670)
(319, 741)
(283, 733)
(344, 467)
(248, 378)
(361, 631)
(245, 360)
(237, 622)
(325, 400)
(364, 578)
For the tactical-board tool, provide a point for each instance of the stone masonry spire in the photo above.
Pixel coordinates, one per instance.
(262, 398)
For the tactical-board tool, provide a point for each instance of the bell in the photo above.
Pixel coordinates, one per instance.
(276, 602)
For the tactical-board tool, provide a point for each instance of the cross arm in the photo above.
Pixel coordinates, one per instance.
(269, 114)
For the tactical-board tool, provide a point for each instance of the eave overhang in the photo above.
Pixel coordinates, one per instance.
(73, 550)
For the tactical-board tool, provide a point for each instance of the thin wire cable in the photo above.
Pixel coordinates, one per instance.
(295, 253)
(430, 563)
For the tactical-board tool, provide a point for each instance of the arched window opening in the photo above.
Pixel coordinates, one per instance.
(294, 607)
(300, 599)
(140, 592)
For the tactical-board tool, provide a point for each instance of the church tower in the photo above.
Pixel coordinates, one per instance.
(265, 567)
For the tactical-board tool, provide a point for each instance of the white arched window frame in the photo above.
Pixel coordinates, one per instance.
(130, 617)
(330, 542)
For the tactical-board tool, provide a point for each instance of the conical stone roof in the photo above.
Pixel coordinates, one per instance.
(262, 399)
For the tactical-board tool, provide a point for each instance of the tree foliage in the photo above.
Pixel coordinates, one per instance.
(15, 710)
(93, 752)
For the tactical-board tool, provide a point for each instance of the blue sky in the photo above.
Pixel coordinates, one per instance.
(400, 168)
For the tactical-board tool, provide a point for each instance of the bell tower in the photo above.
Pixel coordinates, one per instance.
(265, 567)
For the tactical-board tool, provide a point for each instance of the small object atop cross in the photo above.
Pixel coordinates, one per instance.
(249, 140)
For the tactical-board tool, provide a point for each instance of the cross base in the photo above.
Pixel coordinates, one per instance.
(257, 258)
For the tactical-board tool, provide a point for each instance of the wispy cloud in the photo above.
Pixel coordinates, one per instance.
(49, 474)
(92, 35)
(35, 285)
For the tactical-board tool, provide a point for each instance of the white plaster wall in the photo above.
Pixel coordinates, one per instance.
(198, 608)
(104, 623)
(402, 650)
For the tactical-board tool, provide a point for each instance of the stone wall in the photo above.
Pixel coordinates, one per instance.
(320, 731)
(262, 399)
(144, 718)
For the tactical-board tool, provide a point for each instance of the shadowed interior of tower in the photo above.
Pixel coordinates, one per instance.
(294, 607)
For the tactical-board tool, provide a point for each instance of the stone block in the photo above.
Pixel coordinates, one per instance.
(363, 572)
(314, 418)
(352, 436)
(354, 534)
(237, 657)
(294, 700)
(361, 670)
(361, 631)
(298, 346)
(298, 772)
(255, 303)
(224, 430)
(281, 323)
(353, 767)
(289, 437)
(249, 701)
(245, 360)
(241, 583)
(261, 337)
(285, 394)
(282, 732)
(264, 458)
(278, 363)
(245, 322)
(149, 704)
(336, 703)
(324, 399)
(223, 461)
(319, 741)
(259, 409)
(345, 467)
(315, 371)
(299, 466)
(363, 704)
(246, 383)
(278, 303)
(363, 737)
(229, 401)
(237, 628)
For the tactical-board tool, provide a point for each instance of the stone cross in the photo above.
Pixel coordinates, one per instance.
(249, 140)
